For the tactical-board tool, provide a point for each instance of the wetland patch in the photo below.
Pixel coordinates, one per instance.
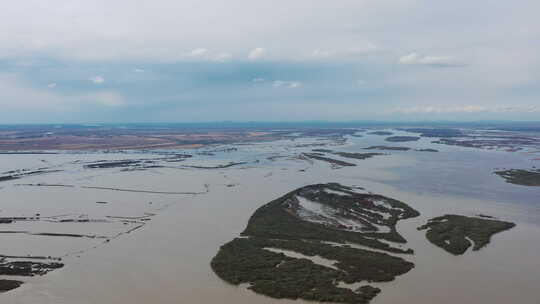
(402, 138)
(7, 285)
(335, 163)
(317, 220)
(456, 233)
(521, 176)
(389, 148)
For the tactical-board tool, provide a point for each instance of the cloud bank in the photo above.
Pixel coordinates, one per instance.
(441, 109)
(167, 60)
(437, 61)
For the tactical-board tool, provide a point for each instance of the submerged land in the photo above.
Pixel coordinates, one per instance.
(40, 138)
(70, 190)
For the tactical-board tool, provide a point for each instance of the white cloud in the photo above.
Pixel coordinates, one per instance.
(137, 70)
(321, 53)
(203, 54)
(198, 53)
(256, 53)
(166, 31)
(438, 109)
(97, 79)
(502, 57)
(221, 57)
(361, 82)
(440, 61)
(358, 50)
(366, 48)
(257, 79)
(52, 85)
(295, 84)
(286, 84)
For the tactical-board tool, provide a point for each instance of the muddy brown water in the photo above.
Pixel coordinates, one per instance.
(167, 260)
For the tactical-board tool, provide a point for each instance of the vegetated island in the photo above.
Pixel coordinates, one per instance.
(16, 174)
(427, 150)
(26, 268)
(353, 155)
(7, 285)
(318, 221)
(509, 142)
(390, 148)
(435, 132)
(382, 133)
(357, 155)
(402, 138)
(456, 233)
(521, 176)
(336, 163)
(20, 266)
(228, 165)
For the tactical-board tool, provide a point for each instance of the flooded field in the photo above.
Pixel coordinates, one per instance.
(143, 226)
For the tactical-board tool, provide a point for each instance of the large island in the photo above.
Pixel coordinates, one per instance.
(279, 253)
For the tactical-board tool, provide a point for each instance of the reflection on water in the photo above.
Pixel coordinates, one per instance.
(167, 260)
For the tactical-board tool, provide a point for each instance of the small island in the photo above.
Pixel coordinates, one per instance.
(336, 163)
(381, 133)
(275, 253)
(427, 150)
(7, 285)
(456, 233)
(354, 155)
(20, 266)
(402, 138)
(390, 148)
(435, 132)
(521, 176)
(27, 268)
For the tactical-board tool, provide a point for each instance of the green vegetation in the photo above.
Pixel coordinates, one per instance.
(402, 138)
(280, 276)
(521, 177)
(388, 148)
(454, 233)
(7, 285)
(27, 268)
(280, 218)
(430, 132)
(357, 155)
(335, 162)
(230, 164)
(382, 133)
(354, 155)
(285, 224)
(8, 177)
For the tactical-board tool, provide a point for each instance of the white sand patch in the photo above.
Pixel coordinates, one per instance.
(331, 191)
(315, 259)
(319, 213)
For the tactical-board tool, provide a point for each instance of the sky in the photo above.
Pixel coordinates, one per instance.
(82, 61)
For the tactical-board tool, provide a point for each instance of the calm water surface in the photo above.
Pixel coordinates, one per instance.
(167, 260)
